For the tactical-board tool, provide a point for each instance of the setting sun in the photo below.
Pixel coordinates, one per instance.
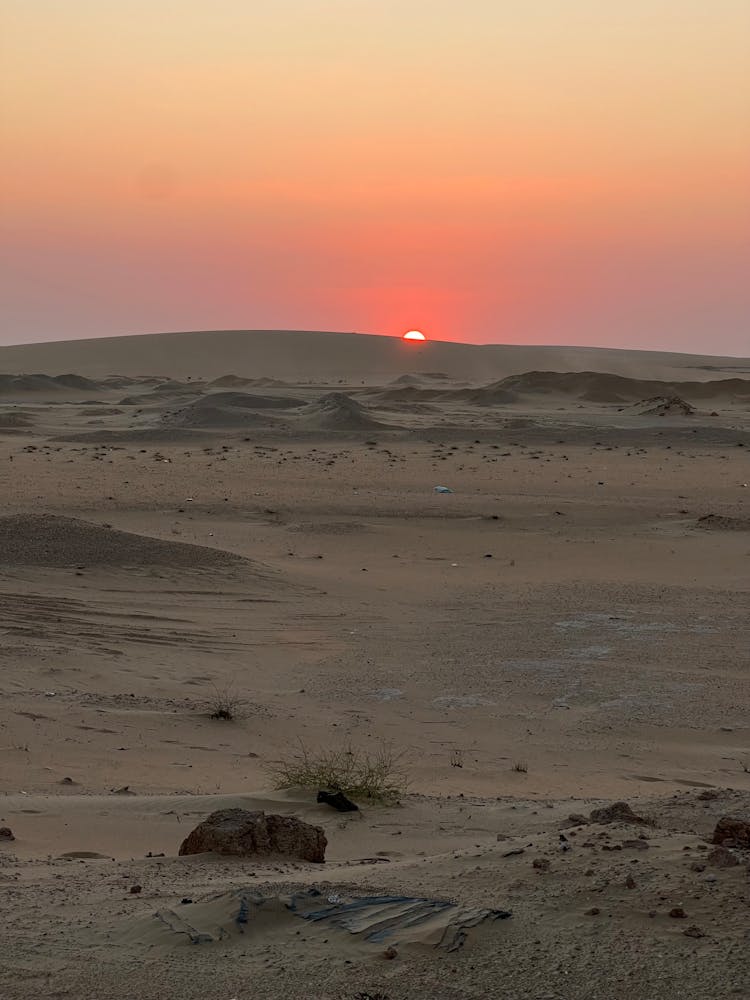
(414, 335)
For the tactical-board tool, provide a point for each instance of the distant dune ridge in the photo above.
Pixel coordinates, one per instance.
(604, 387)
(292, 354)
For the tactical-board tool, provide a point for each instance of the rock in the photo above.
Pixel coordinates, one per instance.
(678, 913)
(697, 867)
(636, 845)
(513, 852)
(390, 953)
(618, 812)
(6, 833)
(577, 819)
(708, 795)
(338, 801)
(693, 932)
(630, 882)
(135, 890)
(238, 831)
(732, 832)
(722, 857)
(542, 864)
(593, 912)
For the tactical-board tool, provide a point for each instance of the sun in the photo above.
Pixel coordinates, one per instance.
(414, 335)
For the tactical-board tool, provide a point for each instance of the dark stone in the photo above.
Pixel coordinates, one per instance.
(722, 857)
(732, 832)
(244, 833)
(337, 800)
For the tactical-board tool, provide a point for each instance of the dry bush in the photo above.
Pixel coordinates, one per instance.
(225, 702)
(379, 775)
(521, 766)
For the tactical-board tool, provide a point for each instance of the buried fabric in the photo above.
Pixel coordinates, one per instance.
(375, 920)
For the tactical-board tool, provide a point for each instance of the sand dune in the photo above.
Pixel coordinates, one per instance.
(605, 387)
(51, 541)
(249, 401)
(229, 409)
(291, 354)
(21, 385)
(337, 412)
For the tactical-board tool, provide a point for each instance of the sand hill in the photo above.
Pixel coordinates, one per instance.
(605, 387)
(337, 412)
(230, 409)
(51, 541)
(291, 354)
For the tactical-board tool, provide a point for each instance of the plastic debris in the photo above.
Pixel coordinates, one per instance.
(443, 489)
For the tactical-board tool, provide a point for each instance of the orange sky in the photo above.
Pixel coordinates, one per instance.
(558, 171)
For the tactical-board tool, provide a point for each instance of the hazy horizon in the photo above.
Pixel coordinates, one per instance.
(561, 174)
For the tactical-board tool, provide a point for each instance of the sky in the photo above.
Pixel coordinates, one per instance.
(491, 171)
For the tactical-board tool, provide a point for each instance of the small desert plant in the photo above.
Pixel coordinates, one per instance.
(521, 766)
(379, 775)
(225, 702)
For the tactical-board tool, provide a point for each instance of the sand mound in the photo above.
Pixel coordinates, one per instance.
(720, 522)
(599, 387)
(338, 412)
(210, 417)
(412, 394)
(664, 406)
(248, 401)
(174, 388)
(230, 382)
(76, 382)
(377, 921)
(269, 383)
(21, 384)
(495, 394)
(48, 540)
(229, 409)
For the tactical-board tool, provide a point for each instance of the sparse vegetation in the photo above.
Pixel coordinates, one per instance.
(225, 703)
(379, 775)
(521, 766)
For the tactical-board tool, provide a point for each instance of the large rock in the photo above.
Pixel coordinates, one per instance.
(238, 831)
(618, 812)
(732, 832)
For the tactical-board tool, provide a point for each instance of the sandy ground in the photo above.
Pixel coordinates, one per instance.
(566, 628)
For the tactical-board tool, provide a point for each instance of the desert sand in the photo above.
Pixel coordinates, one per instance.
(256, 511)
